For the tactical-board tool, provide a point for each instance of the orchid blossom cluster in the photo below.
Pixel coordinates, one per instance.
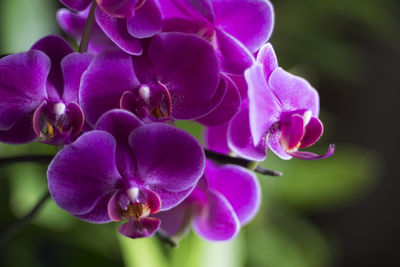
(111, 110)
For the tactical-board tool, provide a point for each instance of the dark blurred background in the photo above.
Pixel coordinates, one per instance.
(342, 211)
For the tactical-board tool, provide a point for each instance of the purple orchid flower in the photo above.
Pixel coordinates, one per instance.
(236, 28)
(74, 23)
(178, 78)
(127, 31)
(126, 170)
(281, 113)
(39, 93)
(226, 198)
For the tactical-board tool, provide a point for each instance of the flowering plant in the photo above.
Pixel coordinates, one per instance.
(111, 108)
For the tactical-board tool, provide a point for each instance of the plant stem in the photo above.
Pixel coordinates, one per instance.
(19, 224)
(164, 238)
(34, 158)
(83, 46)
(225, 159)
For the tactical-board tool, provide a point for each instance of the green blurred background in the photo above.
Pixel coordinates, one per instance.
(342, 211)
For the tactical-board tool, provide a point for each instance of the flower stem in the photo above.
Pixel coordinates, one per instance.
(83, 46)
(164, 238)
(225, 159)
(19, 224)
(33, 158)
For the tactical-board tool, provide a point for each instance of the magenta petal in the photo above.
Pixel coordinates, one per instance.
(229, 106)
(117, 31)
(84, 172)
(294, 92)
(20, 133)
(234, 56)
(312, 156)
(73, 67)
(239, 186)
(249, 21)
(73, 24)
(313, 132)
(176, 220)
(120, 123)
(240, 140)
(109, 75)
(267, 58)
(166, 156)
(145, 227)
(22, 85)
(56, 48)
(77, 5)
(188, 66)
(113, 207)
(292, 132)
(147, 20)
(77, 119)
(99, 214)
(118, 8)
(273, 142)
(265, 109)
(216, 220)
(170, 199)
(215, 138)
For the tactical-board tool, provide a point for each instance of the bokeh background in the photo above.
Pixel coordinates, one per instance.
(342, 211)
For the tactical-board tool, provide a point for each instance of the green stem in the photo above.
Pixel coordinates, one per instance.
(21, 223)
(34, 158)
(83, 46)
(252, 165)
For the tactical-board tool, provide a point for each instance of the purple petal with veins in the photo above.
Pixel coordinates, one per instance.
(216, 220)
(249, 21)
(239, 186)
(240, 140)
(264, 107)
(188, 67)
(293, 92)
(147, 20)
(108, 77)
(229, 106)
(84, 172)
(143, 228)
(20, 97)
(116, 30)
(73, 66)
(215, 138)
(118, 8)
(56, 49)
(166, 156)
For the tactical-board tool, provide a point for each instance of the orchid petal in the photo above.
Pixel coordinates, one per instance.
(56, 48)
(84, 172)
(249, 21)
(240, 140)
(229, 106)
(146, 22)
(145, 227)
(166, 156)
(109, 75)
(73, 66)
(216, 220)
(239, 186)
(116, 30)
(294, 92)
(22, 85)
(76, 5)
(264, 107)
